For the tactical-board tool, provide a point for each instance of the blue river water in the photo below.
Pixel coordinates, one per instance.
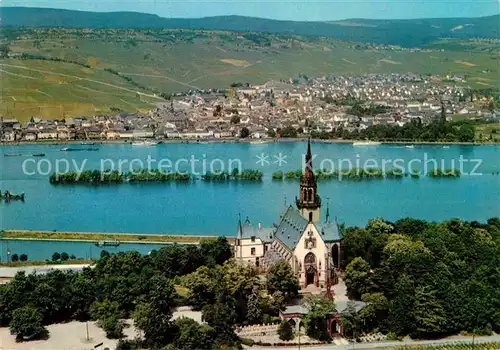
(200, 208)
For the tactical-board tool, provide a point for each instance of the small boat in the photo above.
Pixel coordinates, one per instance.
(108, 243)
(366, 143)
(39, 155)
(13, 155)
(409, 146)
(446, 147)
(68, 149)
(144, 143)
(87, 143)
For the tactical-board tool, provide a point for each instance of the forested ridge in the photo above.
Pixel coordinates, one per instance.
(412, 32)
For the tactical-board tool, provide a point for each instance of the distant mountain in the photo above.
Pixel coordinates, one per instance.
(410, 33)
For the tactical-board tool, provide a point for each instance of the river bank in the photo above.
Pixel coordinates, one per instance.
(238, 140)
(56, 236)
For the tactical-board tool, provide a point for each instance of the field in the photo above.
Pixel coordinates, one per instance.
(490, 132)
(179, 60)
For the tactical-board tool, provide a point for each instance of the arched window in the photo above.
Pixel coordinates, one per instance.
(310, 259)
(335, 255)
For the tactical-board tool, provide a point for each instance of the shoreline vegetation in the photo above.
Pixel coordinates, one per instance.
(152, 175)
(249, 140)
(101, 236)
(46, 262)
(114, 177)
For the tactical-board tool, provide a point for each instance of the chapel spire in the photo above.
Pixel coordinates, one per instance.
(309, 202)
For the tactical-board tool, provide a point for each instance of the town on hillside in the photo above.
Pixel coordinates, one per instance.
(314, 106)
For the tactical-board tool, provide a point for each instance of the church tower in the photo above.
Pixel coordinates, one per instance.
(309, 203)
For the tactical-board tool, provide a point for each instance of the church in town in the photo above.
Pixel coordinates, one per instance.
(312, 246)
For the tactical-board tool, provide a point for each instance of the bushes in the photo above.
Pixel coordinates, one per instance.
(453, 173)
(278, 175)
(285, 331)
(26, 324)
(112, 326)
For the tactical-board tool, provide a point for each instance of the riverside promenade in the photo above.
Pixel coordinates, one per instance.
(102, 237)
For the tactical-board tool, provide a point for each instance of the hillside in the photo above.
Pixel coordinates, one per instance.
(107, 70)
(409, 33)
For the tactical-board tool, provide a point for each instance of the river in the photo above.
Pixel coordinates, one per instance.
(201, 208)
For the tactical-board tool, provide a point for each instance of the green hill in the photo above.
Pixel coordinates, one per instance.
(409, 33)
(102, 70)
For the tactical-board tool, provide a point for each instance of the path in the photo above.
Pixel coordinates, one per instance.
(161, 76)
(75, 77)
(389, 344)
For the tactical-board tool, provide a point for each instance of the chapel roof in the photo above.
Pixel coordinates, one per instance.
(291, 227)
(247, 230)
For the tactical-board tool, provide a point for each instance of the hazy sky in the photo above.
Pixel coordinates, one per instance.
(283, 9)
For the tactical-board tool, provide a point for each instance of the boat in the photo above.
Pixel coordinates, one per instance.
(366, 143)
(144, 143)
(13, 155)
(446, 147)
(409, 146)
(68, 149)
(39, 155)
(108, 243)
(87, 143)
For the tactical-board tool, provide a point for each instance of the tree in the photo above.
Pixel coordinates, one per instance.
(64, 256)
(14, 258)
(192, 335)
(285, 331)
(375, 312)
(202, 285)
(254, 309)
(288, 131)
(320, 309)
(428, 314)
(351, 321)
(101, 310)
(216, 252)
(358, 277)
(83, 294)
(56, 256)
(281, 278)
(153, 316)
(235, 119)
(23, 257)
(112, 326)
(222, 315)
(26, 324)
(244, 132)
